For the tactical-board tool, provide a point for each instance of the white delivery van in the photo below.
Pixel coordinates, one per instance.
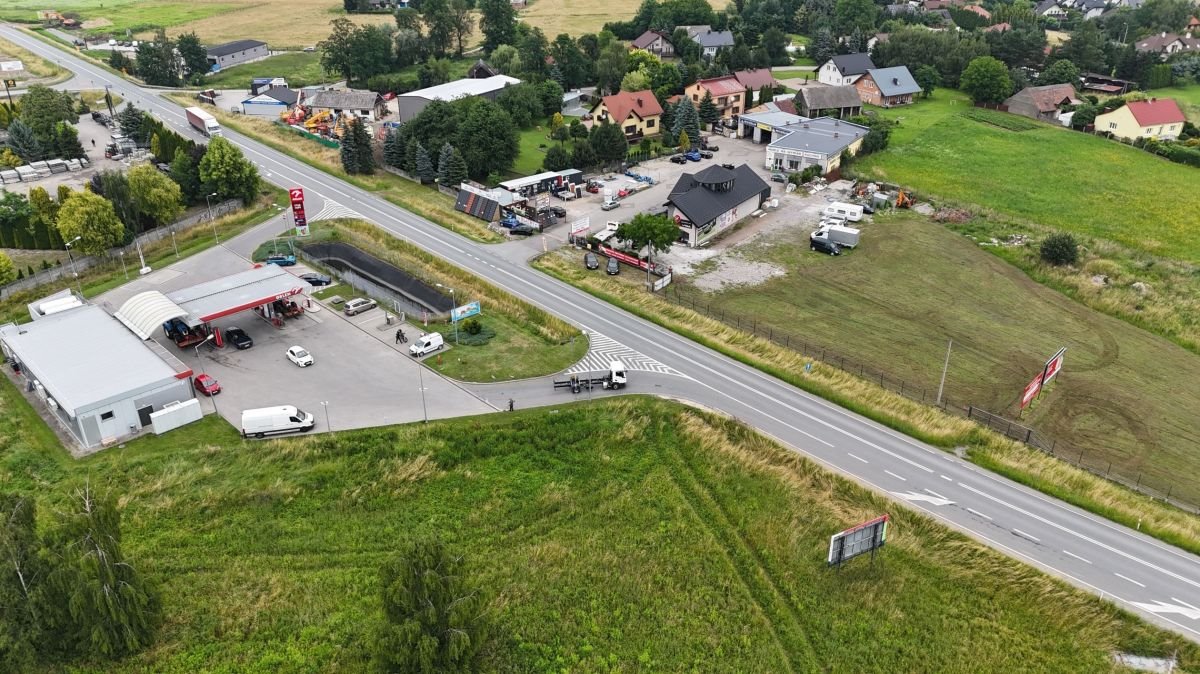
(426, 344)
(271, 420)
(843, 211)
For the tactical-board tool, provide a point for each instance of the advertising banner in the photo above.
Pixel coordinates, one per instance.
(1031, 391)
(465, 311)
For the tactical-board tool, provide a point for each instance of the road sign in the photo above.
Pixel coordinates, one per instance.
(8, 84)
(465, 311)
(11, 66)
(864, 538)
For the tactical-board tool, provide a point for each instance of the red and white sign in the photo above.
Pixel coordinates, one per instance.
(1031, 391)
(297, 195)
(1054, 366)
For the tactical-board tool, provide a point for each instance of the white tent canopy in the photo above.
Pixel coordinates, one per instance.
(145, 312)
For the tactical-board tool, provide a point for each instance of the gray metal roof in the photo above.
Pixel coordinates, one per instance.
(345, 100)
(714, 38)
(84, 357)
(853, 64)
(895, 81)
(234, 47)
(817, 135)
(771, 117)
(232, 294)
(694, 194)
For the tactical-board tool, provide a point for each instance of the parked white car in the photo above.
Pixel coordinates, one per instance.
(299, 356)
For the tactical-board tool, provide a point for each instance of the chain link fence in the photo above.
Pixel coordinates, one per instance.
(1089, 459)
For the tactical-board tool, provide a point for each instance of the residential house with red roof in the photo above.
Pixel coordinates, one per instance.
(754, 80)
(636, 112)
(727, 93)
(1158, 118)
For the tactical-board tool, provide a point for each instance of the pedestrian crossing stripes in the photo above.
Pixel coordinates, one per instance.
(333, 210)
(603, 350)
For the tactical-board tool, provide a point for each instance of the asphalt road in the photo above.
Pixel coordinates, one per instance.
(1139, 573)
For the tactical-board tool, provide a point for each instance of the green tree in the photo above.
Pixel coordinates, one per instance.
(1086, 48)
(824, 46)
(1059, 249)
(522, 102)
(686, 119)
(462, 23)
(534, 49)
(155, 195)
(45, 214)
(228, 172)
(583, 156)
(986, 80)
(579, 130)
(486, 136)
(608, 140)
(551, 93)
(113, 185)
(106, 608)
(23, 142)
(851, 14)
(15, 213)
(393, 151)
(10, 159)
(157, 62)
(66, 142)
(506, 59)
(610, 67)
(130, 119)
(357, 53)
(194, 56)
(654, 232)
(685, 141)
(24, 568)
(1159, 76)
(445, 159)
(118, 61)
(366, 148)
(1061, 71)
(556, 159)
(348, 152)
(43, 108)
(434, 618)
(186, 174)
(91, 217)
(457, 172)
(498, 21)
(928, 78)
(708, 112)
(425, 170)
(439, 24)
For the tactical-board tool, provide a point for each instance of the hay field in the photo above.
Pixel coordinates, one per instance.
(576, 18)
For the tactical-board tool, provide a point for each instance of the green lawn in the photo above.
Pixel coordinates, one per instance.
(794, 74)
(627, 536)
(300, 69)
(1187, 97)
(529, 160)
(893, 302)
(1050, 175)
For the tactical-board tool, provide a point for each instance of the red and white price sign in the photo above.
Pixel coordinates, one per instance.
(297, 195)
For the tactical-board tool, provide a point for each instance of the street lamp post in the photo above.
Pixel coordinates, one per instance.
(173, 243)
(208, 200)
(123, 268)
(452, 319)
(421, 383)
(325, 404)
(71, 258)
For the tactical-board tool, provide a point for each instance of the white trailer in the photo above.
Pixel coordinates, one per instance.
(203, 122)
(846, 237)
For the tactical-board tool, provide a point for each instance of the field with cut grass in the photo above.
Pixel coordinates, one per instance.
(37, 70)
(300, 69)
(893, 303)
(627, 536)
(1049, 175)
(575, 19)
(1187, 97)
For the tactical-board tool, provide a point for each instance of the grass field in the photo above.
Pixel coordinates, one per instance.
(575, 19)
(629, 536)
(1187, 97)
(300, 69)
(1050, 175)
(36, 67)
(1118, 399)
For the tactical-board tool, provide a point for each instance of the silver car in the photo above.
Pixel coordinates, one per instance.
(358, 305)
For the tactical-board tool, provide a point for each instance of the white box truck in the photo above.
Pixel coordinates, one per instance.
(203, 122)
(846, 237)
(843, 211)
(266, 421)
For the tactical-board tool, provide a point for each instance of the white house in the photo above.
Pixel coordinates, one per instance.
(845, 69)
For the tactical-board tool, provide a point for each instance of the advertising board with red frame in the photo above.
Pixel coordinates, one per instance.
(1031, 391)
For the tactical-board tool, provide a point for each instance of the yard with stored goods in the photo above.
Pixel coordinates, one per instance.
(1049, 175)
(584, 526)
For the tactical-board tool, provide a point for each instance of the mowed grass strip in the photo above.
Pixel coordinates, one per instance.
(631, 535)
(920, 421)
(300, 69)
(1049, 175)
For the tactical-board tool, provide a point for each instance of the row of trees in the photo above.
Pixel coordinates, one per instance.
(40, 126)
(482, 131)
(604, 145)
(69, 591)
(166, 62)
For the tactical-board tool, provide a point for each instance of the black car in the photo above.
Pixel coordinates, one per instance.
(613, 267)
(556, 211)
(522, 230)
(824, 246)
(315, 279)
(238, 337)
(706, 154)
(678, 159)
(590, 261)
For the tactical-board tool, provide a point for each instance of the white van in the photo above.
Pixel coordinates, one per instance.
(426, 344)
(270, 420)
(843, 211)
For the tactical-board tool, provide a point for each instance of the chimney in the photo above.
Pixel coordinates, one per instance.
(895, 81)
(639, 101)
(1164, 34)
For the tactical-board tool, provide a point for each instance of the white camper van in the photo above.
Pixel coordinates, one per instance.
(843, 211)
(271, 420)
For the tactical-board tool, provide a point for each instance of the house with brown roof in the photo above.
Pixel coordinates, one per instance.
(727, 93)
(841, 102)
(636, 112)
(1158, 118)
(1165, 44)
(978, 10)
(1193, 25)
(655, 42)
(998, 27)
(754, 80)
(1042, 103)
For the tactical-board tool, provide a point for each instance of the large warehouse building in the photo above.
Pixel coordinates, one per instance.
(97, 377)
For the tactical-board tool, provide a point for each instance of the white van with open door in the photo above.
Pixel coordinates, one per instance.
(426, 344)
(265, 421)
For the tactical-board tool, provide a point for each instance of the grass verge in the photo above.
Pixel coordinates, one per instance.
(426, 202)
(527, 341)
(925, 423)
(580, 524)
(43, 71)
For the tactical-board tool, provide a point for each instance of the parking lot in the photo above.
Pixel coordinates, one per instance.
(365, 378)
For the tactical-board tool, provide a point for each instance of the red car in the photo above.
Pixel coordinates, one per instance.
(207, 385)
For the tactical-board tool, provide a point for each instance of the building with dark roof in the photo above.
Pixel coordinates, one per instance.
(842, 102)
(712, 41)
(887, 87)
(238, 51)
(366, 104)
(655, 42)
(845, 69)
(1166, 44)
(714, 199)
(481, 70)
(271, 102)
(1043, 103)
(815, 142)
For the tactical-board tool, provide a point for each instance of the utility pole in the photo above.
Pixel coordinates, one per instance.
(7, 84)
(945, 368)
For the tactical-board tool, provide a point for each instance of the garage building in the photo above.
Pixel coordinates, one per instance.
(238, 51)
(96, 377)
(411, 104)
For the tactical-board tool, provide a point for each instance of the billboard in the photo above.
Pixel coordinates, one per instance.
(11, 66)
(866, 537)
(1054, 366)
(1031, 391)
(581, 227)
(465, 311)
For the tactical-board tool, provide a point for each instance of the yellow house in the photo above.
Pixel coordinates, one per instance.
(1160, 119)
(636, 112)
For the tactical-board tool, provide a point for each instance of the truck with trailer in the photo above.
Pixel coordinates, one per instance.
(846, 237)
(203, 122)
(615, 378)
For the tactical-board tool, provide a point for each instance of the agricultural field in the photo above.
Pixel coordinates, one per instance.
(300, 69)
(892, 304)
(583, 526)
(1048, 175)
(565, 16)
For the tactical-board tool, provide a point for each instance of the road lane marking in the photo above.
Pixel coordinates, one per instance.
(853, 456)
(946, 478)
(930, 491)
(1185, 604)
(1072, 554)
(1128, 579)
(1022, 534)
(902, 479)
(976, 512)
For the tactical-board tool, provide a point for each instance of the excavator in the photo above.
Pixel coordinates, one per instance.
(904, 200)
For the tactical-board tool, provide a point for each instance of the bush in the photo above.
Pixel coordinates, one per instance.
(472, 326)
(1060, 249)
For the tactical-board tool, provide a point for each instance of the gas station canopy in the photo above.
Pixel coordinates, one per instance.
(226, 296)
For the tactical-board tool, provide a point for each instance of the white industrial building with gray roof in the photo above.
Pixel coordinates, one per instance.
(814, 142)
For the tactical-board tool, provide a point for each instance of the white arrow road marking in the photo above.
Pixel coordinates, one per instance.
(914, 496)
(1161, 607)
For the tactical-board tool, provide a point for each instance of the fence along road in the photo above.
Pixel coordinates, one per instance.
(1155, 580)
